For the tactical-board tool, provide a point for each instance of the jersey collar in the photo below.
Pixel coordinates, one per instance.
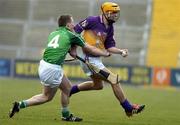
(63, 27)
(101, 19)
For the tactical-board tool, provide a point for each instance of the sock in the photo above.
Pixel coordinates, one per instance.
(22, 104)
(126, 105)
(65, 112)
(74, 90)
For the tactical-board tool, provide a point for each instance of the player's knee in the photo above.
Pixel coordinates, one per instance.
(66, 90)
(98, 86)
(47, 98)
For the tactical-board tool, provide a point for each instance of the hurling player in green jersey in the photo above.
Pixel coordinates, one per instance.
(50, 68)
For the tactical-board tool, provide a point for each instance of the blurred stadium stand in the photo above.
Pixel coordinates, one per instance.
(164, 44)
(25, 25)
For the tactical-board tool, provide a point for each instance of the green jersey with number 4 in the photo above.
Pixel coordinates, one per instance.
(59, 43)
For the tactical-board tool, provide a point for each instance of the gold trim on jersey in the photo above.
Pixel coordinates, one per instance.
(94, 39)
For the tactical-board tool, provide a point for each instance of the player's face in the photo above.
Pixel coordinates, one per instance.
(113, 16)
(71, 25)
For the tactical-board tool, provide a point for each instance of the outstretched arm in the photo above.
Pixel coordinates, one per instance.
(95, 51)
(122, 52)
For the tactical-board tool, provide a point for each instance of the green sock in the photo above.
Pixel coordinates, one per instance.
(22, 104)
(65, 112)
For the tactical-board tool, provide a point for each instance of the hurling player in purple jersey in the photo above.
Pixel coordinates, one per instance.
(98, 31)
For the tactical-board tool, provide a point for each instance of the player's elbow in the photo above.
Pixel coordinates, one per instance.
(98, 86)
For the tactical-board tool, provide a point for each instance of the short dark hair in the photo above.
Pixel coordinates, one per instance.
(63, 20)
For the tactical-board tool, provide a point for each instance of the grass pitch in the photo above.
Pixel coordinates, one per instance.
(96, 107)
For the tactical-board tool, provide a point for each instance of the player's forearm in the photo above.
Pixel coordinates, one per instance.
(122, 52)
(72, 51)
(114, 50)
(95, 51)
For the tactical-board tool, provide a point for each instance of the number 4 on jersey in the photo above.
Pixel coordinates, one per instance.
(54, 42)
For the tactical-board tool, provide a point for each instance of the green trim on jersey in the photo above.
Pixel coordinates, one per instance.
(59, 43)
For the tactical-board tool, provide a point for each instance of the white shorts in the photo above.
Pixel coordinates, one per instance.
(93, 60)
(50, 74)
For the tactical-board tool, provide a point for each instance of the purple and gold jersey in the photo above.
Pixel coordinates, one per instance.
(95, 32)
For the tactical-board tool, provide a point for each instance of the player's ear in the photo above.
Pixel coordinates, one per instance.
(68, 26)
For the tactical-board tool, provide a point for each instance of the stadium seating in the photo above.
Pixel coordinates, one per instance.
(10, 34)
(14, 9)
(164, 44)
(79, 9)
(30, 21)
